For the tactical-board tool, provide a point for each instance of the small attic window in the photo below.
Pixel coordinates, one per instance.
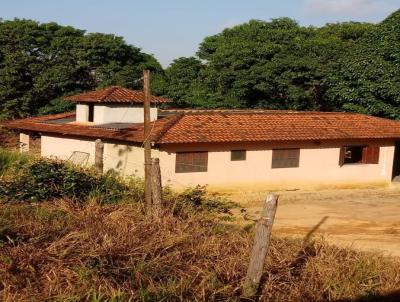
(91, 113)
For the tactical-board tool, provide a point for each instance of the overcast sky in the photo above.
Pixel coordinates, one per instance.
(173, 28)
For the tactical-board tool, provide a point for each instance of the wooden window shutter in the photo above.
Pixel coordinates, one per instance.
(191, 162)
(285, 158)
(342, 155)
(371, 155)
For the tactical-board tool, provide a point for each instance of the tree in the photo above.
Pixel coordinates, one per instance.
(368, 80)
(277, 64)
(182, 77)
(42, 62)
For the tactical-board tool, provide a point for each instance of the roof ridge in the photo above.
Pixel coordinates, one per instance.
(109, 91)
(114, 94)
(253, 111)
(270, 112)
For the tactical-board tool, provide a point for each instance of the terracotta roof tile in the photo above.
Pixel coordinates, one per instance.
(277, 126)
(207, 127)
(134, 133)
(114, 94)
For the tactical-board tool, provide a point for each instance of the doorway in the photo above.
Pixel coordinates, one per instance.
(396, 163)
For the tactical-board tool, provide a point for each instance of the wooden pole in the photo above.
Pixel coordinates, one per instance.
(156, 187)
(98, 155)
(147, 145)
(261, 245)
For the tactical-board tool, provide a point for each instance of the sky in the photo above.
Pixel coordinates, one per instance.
(170, 29)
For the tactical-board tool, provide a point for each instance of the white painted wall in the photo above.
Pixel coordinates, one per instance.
(121, 113)
(82, 113)
(125, 159)
(24, 140)
(62, 147)
(114, 113)
(319, 164)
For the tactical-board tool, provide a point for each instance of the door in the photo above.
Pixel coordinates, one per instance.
(396, 163)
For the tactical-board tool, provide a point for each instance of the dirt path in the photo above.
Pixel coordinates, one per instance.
(367, 219)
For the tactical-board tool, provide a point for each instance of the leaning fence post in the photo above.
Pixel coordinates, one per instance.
(261, 245)
(98, 155)
(156, 187)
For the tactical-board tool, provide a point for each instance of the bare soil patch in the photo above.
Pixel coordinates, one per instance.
(366, 219)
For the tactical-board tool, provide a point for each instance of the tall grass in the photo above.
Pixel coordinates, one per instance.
(68, 252)
(11, 159)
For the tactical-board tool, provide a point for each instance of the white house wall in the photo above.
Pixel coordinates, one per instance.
(319, 164)
(82, 113)
(125, 159)
(116, 113)
(63, 147)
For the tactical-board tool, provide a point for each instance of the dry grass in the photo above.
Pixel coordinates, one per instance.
(64, 252)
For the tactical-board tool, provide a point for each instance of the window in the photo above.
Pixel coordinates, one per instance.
(237, 155)
(285, 158)
(191, 162)
(359, 155)
(91, 113)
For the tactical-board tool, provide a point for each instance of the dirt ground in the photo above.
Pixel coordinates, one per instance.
(366, 219)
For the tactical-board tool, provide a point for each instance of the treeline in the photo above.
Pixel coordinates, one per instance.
(39, 63)
(282, 65)
(277, 64)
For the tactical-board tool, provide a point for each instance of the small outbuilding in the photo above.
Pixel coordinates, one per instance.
(222, 147)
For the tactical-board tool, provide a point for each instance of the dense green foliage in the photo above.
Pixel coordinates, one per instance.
(41, 62)
(368, 79)
(275, 64)
(282, 65)
(24, 178)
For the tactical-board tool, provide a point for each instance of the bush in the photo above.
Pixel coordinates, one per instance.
(197, 198)
(25, 178)
(43, 180)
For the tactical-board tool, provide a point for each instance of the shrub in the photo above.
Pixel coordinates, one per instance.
(42, 180)
(199, 198)
(26, 178)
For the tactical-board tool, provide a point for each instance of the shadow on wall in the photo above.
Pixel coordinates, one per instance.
(121, 158)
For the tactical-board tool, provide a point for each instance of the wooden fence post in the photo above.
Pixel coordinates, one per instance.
(156, 186)
(98, 155)
(261, 245)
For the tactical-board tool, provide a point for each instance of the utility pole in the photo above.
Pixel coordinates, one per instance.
(147, 144)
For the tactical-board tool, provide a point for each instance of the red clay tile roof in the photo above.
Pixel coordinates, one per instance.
(114, 94)
(225, 126)
(278, 126)
(134, 133)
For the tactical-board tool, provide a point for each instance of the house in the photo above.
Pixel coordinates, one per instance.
(222, 147)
